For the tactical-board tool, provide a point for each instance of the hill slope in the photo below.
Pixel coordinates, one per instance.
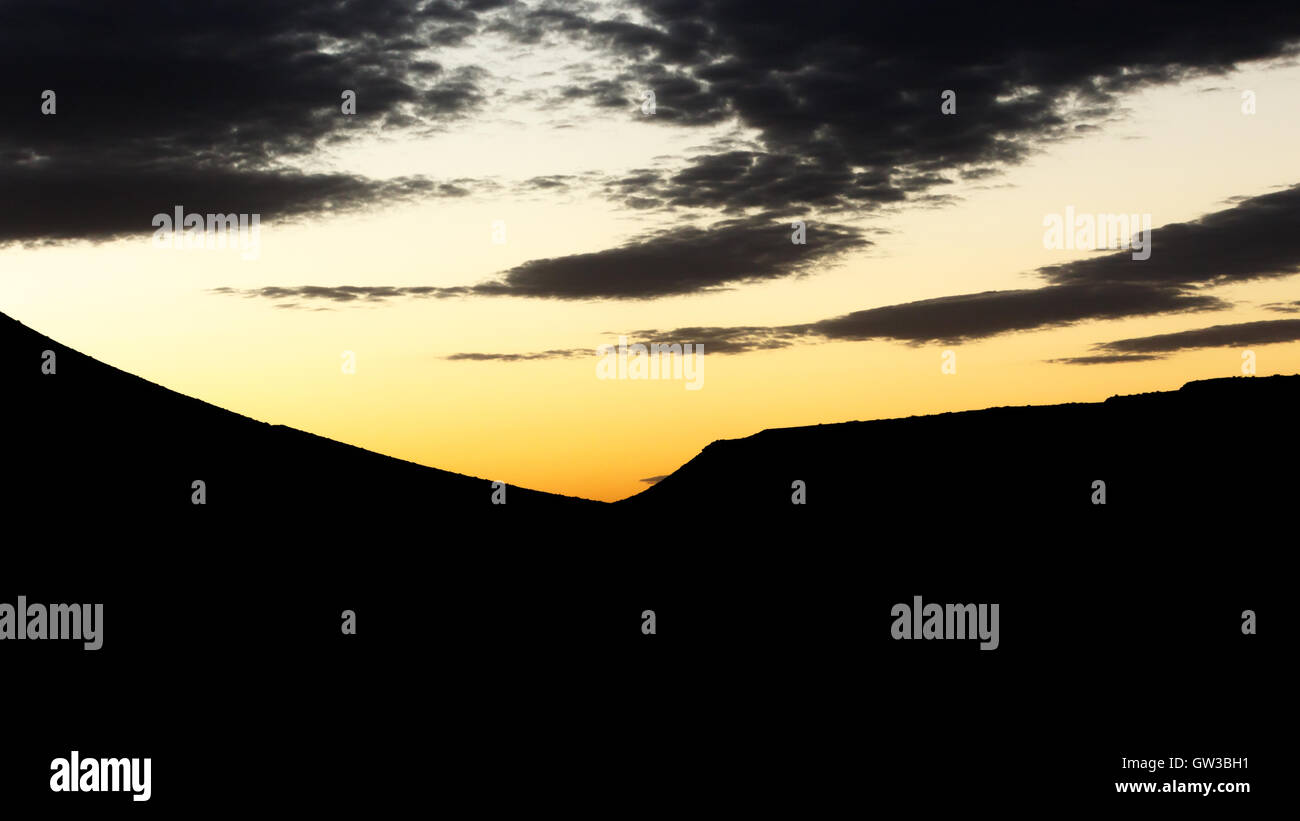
(91, 440)
(92, 437)
(1223, 446)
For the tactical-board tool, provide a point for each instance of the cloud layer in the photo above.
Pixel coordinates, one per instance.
(846, 102)
(1253, 239)
(155, 107)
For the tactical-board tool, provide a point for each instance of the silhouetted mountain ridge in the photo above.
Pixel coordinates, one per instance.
(1160, 448)
(92, 436)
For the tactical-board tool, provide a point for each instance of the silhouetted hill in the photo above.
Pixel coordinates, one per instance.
(91, 445)
(522, 622)
(90, 437)
(1222, 447)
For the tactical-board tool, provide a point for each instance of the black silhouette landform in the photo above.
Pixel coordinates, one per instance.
(90, 437)
(522, 621)
(1221, 447)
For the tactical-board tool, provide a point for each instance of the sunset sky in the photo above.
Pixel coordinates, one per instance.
(674, 226)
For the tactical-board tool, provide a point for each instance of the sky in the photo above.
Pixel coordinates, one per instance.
(435, 274)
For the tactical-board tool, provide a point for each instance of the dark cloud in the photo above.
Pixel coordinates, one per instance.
(1104, 359)
(1284, 307)
(158, 106)
(724, 340)
(846, 112)
(600, 93)
(682, 260)
(719, 340)
(550, 181)
(1256, 238)
(563, 353)
(739, 180)
(76, 202)
(334, 293)
(1264, 332)
(847, 102)
(1090, 289)
(946, 320)
(1253, 239)
(966, 317)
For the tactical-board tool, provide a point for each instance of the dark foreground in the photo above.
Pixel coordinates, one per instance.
(499, 660)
